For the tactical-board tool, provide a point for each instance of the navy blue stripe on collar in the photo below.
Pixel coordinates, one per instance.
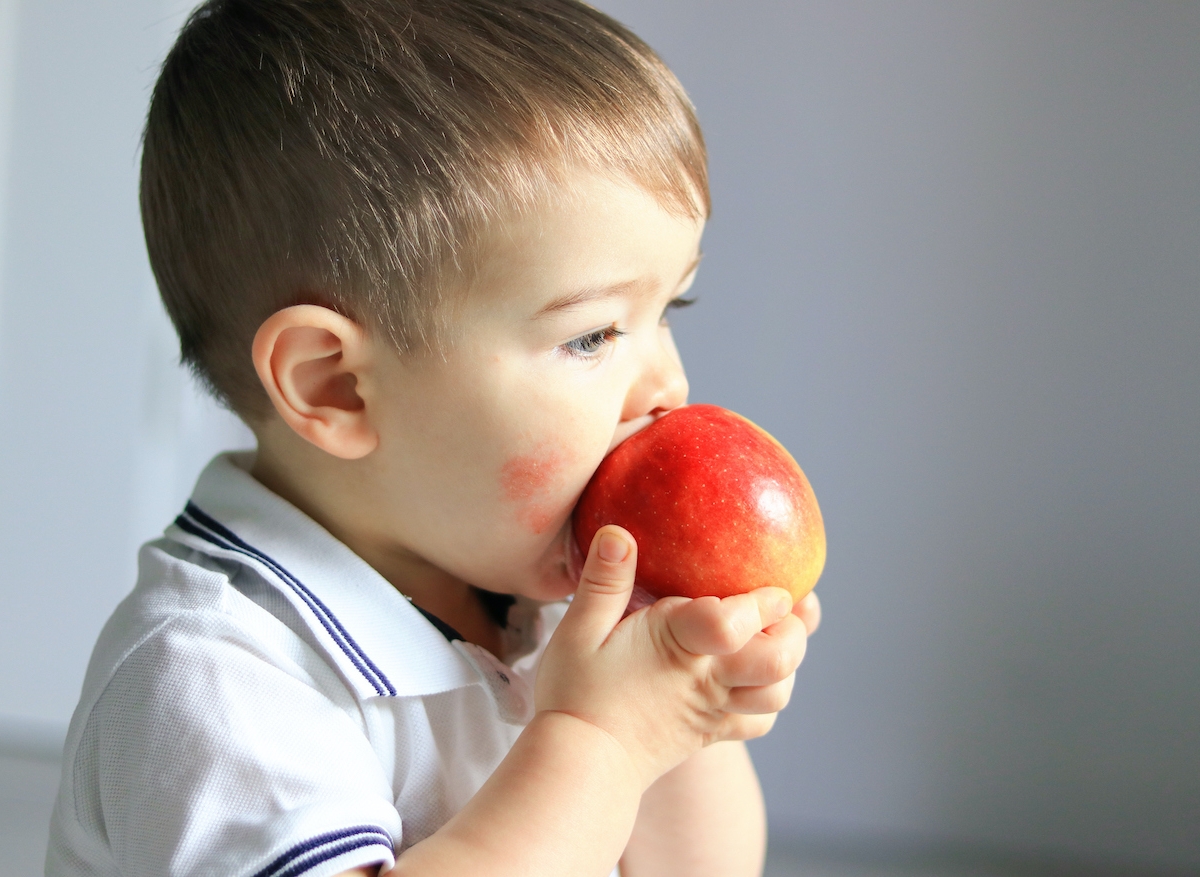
(195, 521)
(323, 848)
(496, 606)
(446, 630)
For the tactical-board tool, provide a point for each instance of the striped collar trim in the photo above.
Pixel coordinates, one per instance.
(383, 645)
(201, 525)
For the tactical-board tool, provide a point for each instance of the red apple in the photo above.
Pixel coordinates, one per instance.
(716, 504)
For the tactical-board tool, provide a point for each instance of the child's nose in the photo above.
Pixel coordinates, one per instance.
(661, 386)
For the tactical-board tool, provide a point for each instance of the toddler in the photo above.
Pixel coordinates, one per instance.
(426, 249)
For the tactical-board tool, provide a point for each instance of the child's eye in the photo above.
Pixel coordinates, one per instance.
(676, 303)
(587, 346)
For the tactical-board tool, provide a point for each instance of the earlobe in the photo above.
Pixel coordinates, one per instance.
(311, 362)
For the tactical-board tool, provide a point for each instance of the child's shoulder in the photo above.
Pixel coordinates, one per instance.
(234, 676)
(181, 595)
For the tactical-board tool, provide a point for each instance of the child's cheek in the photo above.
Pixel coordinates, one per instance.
(533, 482)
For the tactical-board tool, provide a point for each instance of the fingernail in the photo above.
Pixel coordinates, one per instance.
(613, 548)
(783, 606)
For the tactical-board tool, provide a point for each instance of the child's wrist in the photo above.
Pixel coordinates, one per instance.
(599, 743)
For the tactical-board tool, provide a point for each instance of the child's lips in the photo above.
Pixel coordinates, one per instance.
(631, 427)
(572, 554)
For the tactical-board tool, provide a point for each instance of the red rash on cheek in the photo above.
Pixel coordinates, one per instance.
(527, 479)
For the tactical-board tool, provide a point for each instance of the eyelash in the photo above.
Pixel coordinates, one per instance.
(677, 303)
(592, 343)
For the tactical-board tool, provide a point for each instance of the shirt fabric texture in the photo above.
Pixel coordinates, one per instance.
(265, 704)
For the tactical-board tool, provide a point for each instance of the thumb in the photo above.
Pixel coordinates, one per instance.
(604, 585)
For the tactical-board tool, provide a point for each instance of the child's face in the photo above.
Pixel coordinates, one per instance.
(563, 351)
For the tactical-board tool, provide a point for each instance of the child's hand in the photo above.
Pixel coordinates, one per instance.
(672, 677)
(808, 610)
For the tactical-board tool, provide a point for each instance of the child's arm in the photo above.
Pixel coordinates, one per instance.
(703, 818)
(620, 703)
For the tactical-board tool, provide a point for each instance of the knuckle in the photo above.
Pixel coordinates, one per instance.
(730, 630)
(601, 578)
(668, 607)
(779, 665)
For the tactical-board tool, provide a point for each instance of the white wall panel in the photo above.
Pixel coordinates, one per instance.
(102, 433)
(9, 10)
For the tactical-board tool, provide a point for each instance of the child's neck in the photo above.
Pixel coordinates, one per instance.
(449, 599)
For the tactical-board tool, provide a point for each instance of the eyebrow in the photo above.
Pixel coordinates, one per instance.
(599, 293)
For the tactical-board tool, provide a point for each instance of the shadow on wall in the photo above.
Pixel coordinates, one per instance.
(1082, 702)
(953, 266)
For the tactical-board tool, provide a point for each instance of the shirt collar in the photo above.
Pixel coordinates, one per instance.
(381, 643)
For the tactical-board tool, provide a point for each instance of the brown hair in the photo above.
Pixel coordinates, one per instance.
(351, 153)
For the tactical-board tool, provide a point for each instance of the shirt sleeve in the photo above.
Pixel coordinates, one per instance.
(211, 753)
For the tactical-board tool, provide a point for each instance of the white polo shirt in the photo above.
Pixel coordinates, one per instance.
(264, 703)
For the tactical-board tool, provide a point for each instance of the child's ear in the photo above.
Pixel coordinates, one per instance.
(310, 360)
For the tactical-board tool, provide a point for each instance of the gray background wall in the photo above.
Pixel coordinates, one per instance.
(954, 266)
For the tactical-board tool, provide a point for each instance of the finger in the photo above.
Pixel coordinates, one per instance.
(770, 656)
(761, 699)
(739, 727)
(808, 610)
(712, 626)
(604, 585)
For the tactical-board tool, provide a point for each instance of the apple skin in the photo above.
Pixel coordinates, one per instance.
(717, 506)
